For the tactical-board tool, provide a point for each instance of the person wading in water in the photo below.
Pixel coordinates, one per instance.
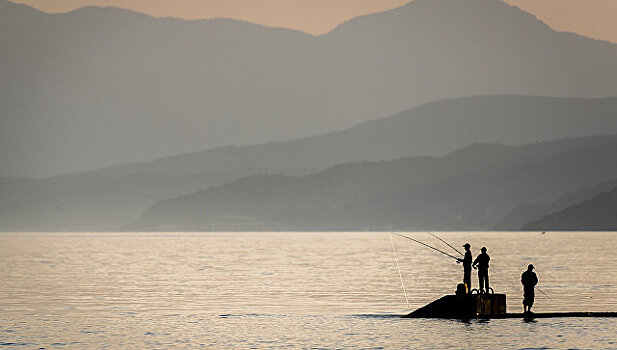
(482, 263)
(467, 267)
(529, 281)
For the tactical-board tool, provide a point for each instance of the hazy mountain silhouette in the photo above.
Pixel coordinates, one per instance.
(110, 198)
(535, 211)
(474, 188)
(435, 128)
(101, 86)
(596, 214)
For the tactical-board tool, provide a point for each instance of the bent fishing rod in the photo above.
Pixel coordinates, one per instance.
(428, 246)
(446, 243)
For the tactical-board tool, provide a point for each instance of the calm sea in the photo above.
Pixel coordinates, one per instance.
(292, 290)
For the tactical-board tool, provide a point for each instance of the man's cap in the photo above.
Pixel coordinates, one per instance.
(466, 245)
(530, 266)
(483, 249)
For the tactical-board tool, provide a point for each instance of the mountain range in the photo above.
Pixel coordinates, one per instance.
(103, 86)
(111, 198)
(474, 188)
(598, 213)
(523, 217)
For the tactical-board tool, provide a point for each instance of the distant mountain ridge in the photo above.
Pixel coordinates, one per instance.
(110, 198)
(595, 214)
(531, 212)
(471, 189)
(97, 87)
(414, 132)
(434, 128)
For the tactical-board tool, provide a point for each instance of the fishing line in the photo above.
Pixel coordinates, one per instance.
(399, 271)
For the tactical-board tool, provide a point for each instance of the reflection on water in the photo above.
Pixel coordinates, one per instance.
(284, 289)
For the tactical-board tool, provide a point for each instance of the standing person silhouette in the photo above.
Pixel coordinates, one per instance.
(529, 281)
(467, 266)
(482, 263)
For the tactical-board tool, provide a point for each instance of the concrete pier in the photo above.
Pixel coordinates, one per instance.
(534, 315)
(486, 306)
(466, 306)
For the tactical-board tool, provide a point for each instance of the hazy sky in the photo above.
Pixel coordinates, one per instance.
(593, 18)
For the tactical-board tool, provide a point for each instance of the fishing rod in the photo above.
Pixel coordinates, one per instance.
(540, 290)
(428, 246)
(446, 243)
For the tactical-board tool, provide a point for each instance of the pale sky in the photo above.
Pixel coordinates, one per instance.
(593, 18)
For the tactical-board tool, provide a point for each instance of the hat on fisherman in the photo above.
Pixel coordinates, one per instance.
(483, 249)
(466, 245)
(530, 266)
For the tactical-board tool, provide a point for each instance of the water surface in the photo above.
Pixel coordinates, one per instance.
(291, 290)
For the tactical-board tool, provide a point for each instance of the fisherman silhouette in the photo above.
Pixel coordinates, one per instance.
(529, 281)
(467, 266)
(482, 263)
